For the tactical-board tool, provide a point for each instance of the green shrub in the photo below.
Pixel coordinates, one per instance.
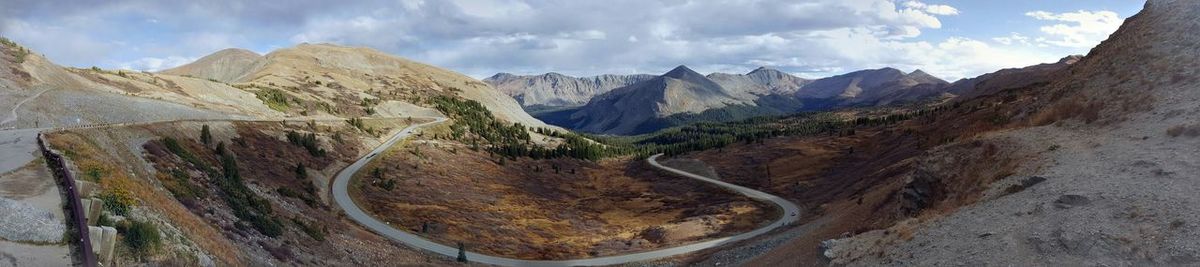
(104, 220)
(94, 174)
(311, 229)
(116, 201)
(142, 237)
(301, 172)
(288, 192)
(273, 98)
(183, 153)
(308, 141)
(181, 186)
(7, 42)
(19, 52)
(246, 205)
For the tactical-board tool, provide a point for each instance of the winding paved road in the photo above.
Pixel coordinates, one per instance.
(342, 198)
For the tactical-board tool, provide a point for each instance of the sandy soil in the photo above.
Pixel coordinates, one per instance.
(17, 254)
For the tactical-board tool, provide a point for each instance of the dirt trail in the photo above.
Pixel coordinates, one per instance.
(13, 114)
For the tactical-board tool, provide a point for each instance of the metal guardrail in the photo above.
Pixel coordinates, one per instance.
(67, 181)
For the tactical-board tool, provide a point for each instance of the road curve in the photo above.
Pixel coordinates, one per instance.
(342, 197)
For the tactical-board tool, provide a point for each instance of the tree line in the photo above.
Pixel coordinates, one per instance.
(474, 124)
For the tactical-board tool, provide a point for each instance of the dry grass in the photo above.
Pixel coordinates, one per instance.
(86, 155)
(1184, 130)
(921, 168)
(266, 162)
(1075, 107)
(525, 209)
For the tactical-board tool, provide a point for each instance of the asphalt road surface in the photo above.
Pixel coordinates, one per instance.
(342, 198)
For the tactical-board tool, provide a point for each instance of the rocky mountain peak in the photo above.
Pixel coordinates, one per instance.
(762, 69)
(1070, 59)
(556, 75)
(682, 72)
(503, 76)
(923, 77)
(888, 70)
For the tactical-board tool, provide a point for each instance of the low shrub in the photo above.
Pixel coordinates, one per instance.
(141, 237)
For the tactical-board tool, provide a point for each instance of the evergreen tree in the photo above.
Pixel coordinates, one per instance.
(301, 172)
(462, 252)
(205, 134)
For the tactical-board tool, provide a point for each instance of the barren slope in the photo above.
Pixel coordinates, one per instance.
(228, 65)
(331, 80)
(39, 93)
(557, 90)
(1092, 168)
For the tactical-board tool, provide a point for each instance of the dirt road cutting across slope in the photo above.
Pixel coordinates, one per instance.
(13, 116)
(341, 196)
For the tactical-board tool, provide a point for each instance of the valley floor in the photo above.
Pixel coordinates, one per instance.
(545, 209)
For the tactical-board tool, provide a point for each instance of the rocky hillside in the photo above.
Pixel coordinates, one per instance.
(35, 92)
(632, 109)
(868, 86)
(761, 81)
(1089, 167)
(325, 79)
(312, 81)
(557, 90)
(229, 65)
(1009, 78)
(1118, 133)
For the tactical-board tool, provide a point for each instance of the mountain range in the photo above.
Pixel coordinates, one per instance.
(557, 90)
(683, 96)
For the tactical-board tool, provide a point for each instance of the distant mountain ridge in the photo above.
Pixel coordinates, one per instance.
(558, 90)
(761, 81)
(627, 109)
(990, 83)
(683, 96)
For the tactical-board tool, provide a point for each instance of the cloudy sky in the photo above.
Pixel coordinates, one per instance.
(811, 38)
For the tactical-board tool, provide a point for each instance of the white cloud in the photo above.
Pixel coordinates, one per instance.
(951, 59)
(481, 37)
(584, 35)
(59, 42)
(155, 64)
(942, 10)
(1080, 29)
(1013, 38)
(574, 36)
